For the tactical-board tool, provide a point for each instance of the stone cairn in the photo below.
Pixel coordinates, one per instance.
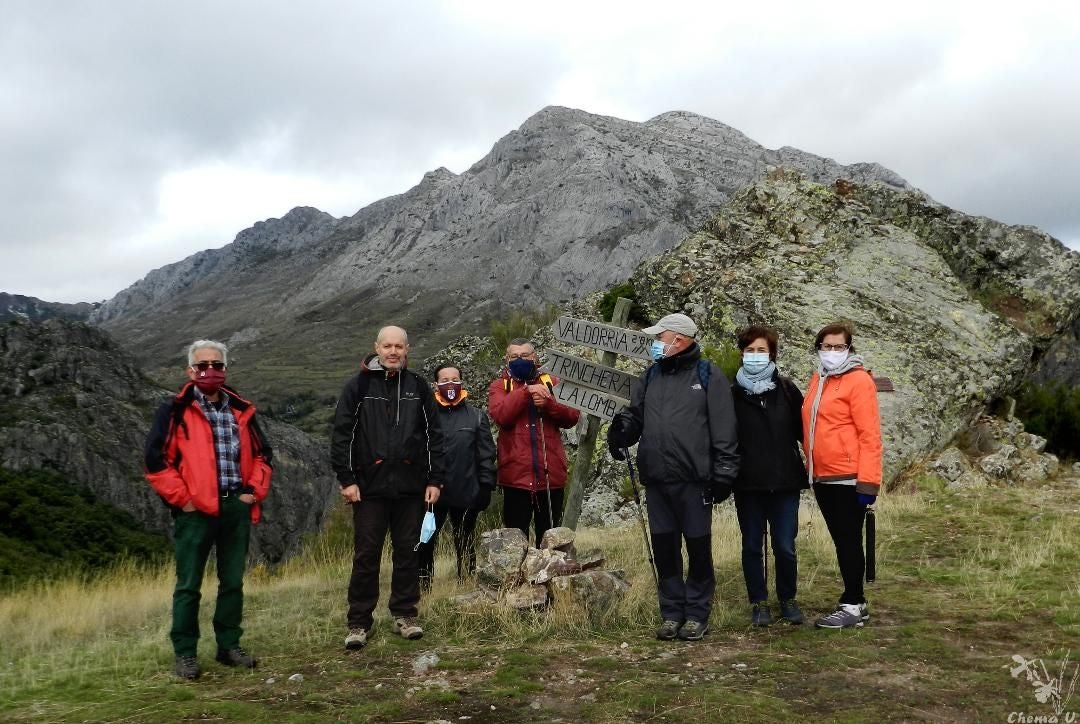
(514, 575)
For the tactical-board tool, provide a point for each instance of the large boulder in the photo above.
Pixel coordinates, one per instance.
(595, 591)
(502, 551)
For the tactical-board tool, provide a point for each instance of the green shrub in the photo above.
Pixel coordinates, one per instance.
(48, 527)
(606, 305)
(520, 323)
(727, 357)
(1052, 411)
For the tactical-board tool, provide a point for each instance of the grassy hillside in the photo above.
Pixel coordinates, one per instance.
(966, 581)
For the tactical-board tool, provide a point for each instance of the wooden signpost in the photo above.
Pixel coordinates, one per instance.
(599, 390)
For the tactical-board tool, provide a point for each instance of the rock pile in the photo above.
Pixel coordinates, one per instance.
(995, 450)
(513, 574)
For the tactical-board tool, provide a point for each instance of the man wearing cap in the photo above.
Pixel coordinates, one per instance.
(683, 420)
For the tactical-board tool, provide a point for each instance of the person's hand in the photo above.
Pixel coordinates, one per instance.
(351, 493)
(618, 452)
(540, 394)
(483, 498)
(864, 499)
(719, 492)
(431, 494)
(247, 498)
(189, 507)
(619, 433)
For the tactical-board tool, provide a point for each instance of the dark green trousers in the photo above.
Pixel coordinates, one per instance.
(195, 534)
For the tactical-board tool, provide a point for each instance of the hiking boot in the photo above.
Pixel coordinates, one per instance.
(693, 631)
(356, 640)
(236, 657)
(668, 630)
(790, 612)
(187, 667)
(846, 615)
(408, 628)
(760, 615)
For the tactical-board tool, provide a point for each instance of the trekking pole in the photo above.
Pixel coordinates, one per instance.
(871, 544)
(641, 517)
(765, 556)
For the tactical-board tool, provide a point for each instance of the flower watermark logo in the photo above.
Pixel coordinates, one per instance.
(1053, 690)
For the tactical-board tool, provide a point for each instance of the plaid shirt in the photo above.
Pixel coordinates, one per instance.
(226, 440)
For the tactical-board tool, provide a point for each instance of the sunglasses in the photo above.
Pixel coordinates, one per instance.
(204, 366)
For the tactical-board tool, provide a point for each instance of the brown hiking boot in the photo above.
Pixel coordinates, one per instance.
(408, 628)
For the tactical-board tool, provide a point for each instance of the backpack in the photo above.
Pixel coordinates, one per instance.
(704, 371)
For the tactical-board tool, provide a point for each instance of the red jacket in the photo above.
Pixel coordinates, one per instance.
(847, 435)
(180, 461)
(509, 402)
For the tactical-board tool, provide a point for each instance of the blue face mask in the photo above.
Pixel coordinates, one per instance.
(657, 350)
(522, 369)
(427, 528)
(755, 362)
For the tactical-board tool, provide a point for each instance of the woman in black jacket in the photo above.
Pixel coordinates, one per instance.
(771, 473)
(470, 473)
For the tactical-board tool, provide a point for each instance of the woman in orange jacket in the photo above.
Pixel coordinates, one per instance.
(842, 440)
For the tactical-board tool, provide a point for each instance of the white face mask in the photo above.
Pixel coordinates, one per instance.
(755, 362)
(832, 360)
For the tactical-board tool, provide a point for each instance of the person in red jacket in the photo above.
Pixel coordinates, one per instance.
(842, 440)
(532, 461)
(209, 461)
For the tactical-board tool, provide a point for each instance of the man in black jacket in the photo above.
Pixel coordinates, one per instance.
(387, 451)
(682, 415)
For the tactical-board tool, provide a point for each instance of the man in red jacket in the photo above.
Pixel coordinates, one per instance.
(532, 461)
(208, 460)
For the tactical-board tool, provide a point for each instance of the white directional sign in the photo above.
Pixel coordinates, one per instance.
(580, 371)
(603, 336)
(589, 401)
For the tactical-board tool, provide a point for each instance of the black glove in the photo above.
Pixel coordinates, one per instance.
(719, 492)
(619, 432)
(483, 498)
(614, 448)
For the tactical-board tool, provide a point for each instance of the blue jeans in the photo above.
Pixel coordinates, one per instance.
(781, 512)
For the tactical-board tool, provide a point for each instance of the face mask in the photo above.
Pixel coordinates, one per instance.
(209, 381)
(449, 391)
(832, 360)
(755, 362)
(427, 528)
(522, 369)
(657, 350)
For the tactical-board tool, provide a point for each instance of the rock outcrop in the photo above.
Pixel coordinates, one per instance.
(995, 451)
(32, 309)
(73, 401)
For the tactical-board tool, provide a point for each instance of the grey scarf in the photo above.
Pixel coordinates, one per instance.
(758, 383)
(853, 361)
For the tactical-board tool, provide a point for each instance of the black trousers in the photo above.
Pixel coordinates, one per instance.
(521, 507)
(463, 522)
(676, 512)
(372, 519)
(844, 519)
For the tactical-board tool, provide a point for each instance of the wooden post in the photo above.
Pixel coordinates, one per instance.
(583, 468)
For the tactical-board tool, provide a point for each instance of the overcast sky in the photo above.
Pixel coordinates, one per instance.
(134, 133)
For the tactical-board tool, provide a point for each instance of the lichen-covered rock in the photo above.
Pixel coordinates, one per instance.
(1036, 469)
(479, 596)
(951, 464)
(1028, 441)
(527, 597)
(998, 464)
(502, 552)
(557, 538)
(595, 591)
(541, 564)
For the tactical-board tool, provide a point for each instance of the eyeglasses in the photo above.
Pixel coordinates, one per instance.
(833, 347)
(524, 355)
(204, 365)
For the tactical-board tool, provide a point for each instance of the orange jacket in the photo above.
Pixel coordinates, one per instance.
(180, 461)
(847, 436)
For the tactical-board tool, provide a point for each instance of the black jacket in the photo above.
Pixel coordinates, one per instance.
(470, 454)
(685, 433)
(386, 436)
(770, 429)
